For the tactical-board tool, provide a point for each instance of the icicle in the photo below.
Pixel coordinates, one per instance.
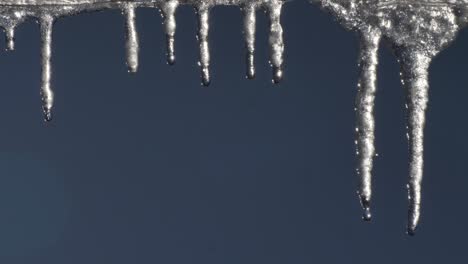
(368, 60)
(249, 32)
(9, 21)
(415, 66)
(276, 39)
(168, 10)
(46, 23)
(10, 38)
(203, 11)
(132, 44)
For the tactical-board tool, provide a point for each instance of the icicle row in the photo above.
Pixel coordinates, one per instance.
(46, 23)
(367, 86)
(437, 26)
(203, 11)
(132, 43)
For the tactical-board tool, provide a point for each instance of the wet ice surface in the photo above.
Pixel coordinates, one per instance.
(417, 30)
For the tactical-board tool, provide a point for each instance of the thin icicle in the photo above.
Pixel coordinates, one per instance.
(367, 86)
(132, 44)
(415, 66)
(203, 11)
(276, 39)
(10, 38)
(168, 11)
(249, 32)
(46, 24)
(9, 22)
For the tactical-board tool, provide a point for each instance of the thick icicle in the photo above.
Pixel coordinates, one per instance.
(168, 11)
(203, 11)
(276, 39)
(249, 32)
(132, 44)
(415, 66)
(367, 86)
(46, 24)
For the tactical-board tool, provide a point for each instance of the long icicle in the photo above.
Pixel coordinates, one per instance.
(365, 127)
(415, 67)
(132, 43)
(46, 24)
(203, 11)
(249, 32)
(168, 11)
(276, 39)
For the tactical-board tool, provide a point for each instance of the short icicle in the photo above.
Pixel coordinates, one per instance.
(203, 11)
(46, 23)
(249, 32)
(9, 23)
(276, 39)
(168, 10)
(367, 86)
(132, 44)
(10, 38)
(415, 66)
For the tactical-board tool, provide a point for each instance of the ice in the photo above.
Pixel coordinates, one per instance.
(203, 11)
(46, 22)
(416, 29)
(250, 21)
(168, 10)
(367, 86)
(132, 45)
(13, 12)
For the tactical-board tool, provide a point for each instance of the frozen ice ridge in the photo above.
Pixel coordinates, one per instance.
(416, 29)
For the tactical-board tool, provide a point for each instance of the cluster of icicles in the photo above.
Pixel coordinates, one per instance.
(416, 29)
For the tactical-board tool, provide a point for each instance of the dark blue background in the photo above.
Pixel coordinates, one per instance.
(154, 168)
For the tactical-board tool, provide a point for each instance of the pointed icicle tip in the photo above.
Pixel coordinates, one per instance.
(367, 215)
(47, 115)
(170, 56)
(277, 75)
(365, 203)
(411, 231)
(251, 66)
(206, 81)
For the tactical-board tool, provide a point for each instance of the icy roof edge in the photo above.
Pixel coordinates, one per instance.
(143, 2)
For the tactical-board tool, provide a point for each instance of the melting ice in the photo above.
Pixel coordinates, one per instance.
(416, 29)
